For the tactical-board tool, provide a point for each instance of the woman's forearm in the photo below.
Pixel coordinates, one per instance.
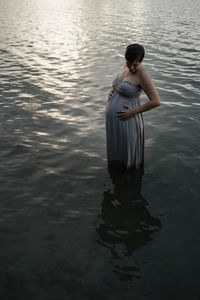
(146, 106)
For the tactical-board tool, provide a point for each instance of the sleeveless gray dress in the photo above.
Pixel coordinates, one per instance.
(125, 139)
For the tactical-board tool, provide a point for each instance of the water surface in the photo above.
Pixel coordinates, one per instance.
(69, 230)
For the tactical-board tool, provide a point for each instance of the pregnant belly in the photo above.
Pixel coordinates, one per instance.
(116, 104)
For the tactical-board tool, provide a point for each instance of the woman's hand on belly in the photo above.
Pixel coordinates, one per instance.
(125, 114)
(110, 94)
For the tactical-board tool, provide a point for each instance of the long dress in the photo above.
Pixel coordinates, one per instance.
(125, 139)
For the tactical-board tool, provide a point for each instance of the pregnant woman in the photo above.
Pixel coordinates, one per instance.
(124, 121)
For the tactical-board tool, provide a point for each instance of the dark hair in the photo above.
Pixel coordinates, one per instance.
(134, 52)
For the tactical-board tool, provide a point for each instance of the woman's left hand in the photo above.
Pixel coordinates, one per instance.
(125, 114)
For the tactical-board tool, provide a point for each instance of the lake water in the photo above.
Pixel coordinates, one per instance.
(68, 230)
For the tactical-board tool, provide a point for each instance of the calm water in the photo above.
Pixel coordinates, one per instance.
(68, 230)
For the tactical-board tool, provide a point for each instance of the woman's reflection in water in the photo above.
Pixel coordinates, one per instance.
(125, 224)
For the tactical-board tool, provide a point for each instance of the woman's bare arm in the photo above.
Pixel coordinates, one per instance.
(149, 88)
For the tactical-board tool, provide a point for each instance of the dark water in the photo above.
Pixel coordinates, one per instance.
(68, 230)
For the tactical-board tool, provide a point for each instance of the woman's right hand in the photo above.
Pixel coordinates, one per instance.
(110, 93)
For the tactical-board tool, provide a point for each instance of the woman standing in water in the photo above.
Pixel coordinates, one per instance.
(124, 121)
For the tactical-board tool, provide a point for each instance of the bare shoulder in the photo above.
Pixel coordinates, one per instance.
(143, 74)
(147, 85)
(145, 78)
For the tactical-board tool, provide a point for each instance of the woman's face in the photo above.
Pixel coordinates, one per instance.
(133, 66)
